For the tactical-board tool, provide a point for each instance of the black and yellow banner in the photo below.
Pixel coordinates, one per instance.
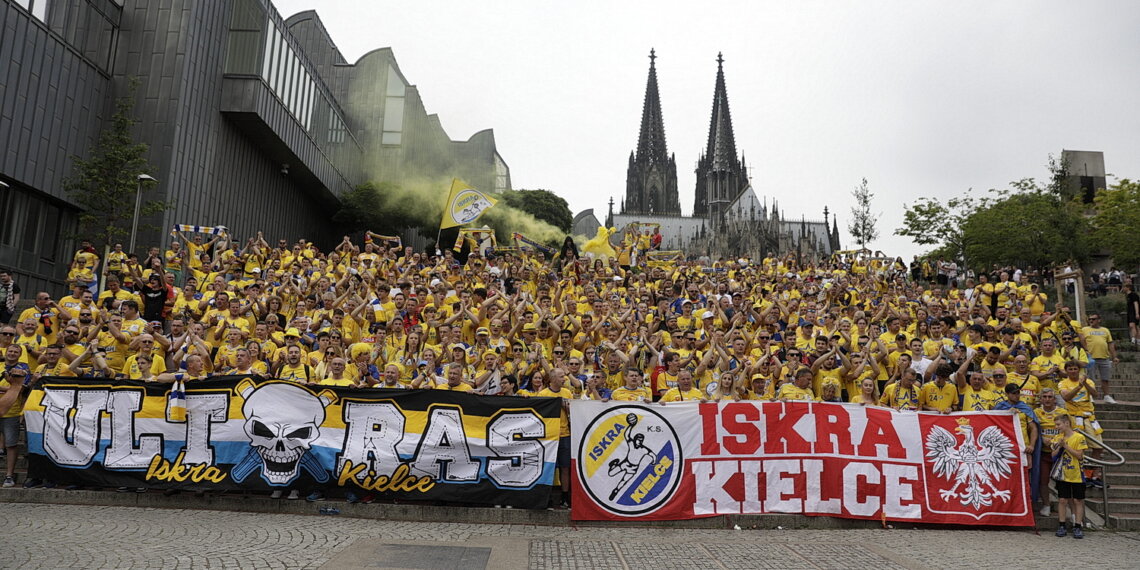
(252, 433)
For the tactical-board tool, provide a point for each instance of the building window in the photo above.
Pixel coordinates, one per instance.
(247, 23)
(393, 108)
(38, 8)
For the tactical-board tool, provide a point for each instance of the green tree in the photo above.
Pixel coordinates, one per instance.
(1029, 225)
(105, 184)
(930, 222)
(1116, 220)
(862, 224)
(543, 205)
(368, 207)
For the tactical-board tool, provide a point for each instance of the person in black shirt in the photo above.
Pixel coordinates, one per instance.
(154, 295)
(1132, 312)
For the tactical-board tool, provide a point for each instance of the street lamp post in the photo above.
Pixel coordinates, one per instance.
(138, 206)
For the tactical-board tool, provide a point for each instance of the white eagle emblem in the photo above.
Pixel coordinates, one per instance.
(975, 465)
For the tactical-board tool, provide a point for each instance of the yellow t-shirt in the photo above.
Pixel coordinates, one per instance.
(899, 398)
(134, 372)
(677, 395)
(461, 387)
(1079, 403)
(980, 400)
(564, 417)
(930, 395)
(789, 391)
(1096, 341)
(1070, 467)
(301, 373)
(17, 408)
(1048, 421)
(1029, 387)
(624, 394)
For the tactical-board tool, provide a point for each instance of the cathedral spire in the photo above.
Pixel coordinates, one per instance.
(651, 178)
(720, 174)
(722, 144)
(651, 140)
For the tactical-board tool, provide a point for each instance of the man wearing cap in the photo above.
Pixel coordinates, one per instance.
(12, 378)
(1029, 425)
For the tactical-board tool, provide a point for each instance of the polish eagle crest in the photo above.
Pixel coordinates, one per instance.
(975, 466)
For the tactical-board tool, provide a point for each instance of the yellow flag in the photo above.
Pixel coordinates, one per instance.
(464, 205)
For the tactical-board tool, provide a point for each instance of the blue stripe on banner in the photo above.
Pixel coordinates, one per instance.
(232, 453)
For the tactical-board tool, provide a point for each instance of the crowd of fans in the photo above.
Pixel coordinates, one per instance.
(853, 328)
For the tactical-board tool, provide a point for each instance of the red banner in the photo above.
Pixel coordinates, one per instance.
(687, 460)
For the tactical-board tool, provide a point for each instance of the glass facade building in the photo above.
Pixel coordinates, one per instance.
(254, 121)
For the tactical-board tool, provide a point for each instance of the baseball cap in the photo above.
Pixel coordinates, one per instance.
(293, 332)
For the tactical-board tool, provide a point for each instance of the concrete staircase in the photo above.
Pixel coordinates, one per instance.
(1121, 423)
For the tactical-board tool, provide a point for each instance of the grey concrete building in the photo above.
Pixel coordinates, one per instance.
(254, 121)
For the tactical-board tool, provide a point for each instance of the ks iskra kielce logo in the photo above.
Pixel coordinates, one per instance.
(629, 460)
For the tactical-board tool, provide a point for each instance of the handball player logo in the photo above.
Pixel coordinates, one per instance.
(467, 206)
(629, 460)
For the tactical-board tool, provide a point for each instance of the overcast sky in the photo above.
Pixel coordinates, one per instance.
(921, 98)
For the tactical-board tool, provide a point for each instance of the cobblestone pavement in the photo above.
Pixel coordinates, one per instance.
(66, 536)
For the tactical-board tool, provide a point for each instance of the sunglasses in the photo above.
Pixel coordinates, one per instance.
(7, 334)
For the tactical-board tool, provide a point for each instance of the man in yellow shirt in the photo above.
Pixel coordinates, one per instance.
(685, 391)
(1102, 354)
(47, 316)
(902, 395)
(634, 389)
(799, 389)
(555, 389)
(940, 395)
(12, 379)
(975, 396)
(1047, 366)
(455, 381)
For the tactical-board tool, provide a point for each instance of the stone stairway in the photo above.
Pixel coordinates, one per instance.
(1121, 423)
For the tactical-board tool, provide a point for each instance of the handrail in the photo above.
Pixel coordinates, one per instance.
(1102, 462)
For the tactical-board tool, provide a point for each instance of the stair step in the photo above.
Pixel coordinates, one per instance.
(1116, 506)
(1118, 492)
(1110, 425)
(1125, 521)
(1116, 477)
(1122, 445)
